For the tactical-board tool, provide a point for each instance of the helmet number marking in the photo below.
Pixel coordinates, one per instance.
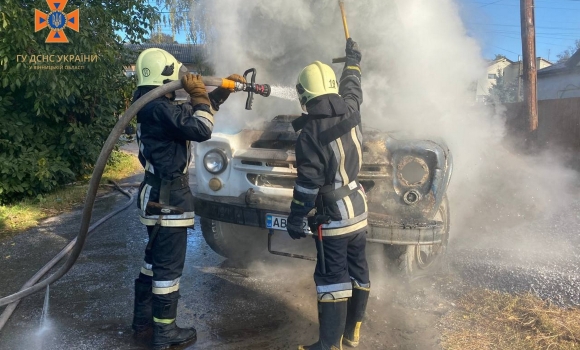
(332, 84)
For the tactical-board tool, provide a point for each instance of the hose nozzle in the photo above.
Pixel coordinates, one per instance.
(260, 89)
(250, 87)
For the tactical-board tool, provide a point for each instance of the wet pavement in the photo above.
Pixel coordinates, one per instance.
(541, 256)
(270, 304)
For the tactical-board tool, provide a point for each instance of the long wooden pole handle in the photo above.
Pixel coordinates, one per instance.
(343, 12)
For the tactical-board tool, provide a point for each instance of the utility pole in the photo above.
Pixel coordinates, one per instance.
(530, 76)
(519, 77)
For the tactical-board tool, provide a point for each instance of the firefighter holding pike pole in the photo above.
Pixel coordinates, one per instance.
(328, 159)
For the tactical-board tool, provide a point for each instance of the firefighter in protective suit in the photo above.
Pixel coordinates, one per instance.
(164, 134)
(329, 158)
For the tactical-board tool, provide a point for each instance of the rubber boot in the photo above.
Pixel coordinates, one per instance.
(142, 309)
(332, 318)
(165, 331)
(357, 305)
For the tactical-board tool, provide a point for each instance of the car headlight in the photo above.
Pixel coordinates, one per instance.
(215, 161)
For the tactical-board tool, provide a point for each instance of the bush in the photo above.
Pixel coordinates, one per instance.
(53, 123)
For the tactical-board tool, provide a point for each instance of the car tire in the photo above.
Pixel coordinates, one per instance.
(416, 260)
(235, 242)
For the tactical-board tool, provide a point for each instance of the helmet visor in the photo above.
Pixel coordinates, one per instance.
(300, 91)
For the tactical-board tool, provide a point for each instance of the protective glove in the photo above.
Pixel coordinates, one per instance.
(353, 54)
(195, 87)
(294, 226)
(220, 95)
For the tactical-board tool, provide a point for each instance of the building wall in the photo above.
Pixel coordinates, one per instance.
(511, 72)
(515, 70)
(485, 83)
(557, 86)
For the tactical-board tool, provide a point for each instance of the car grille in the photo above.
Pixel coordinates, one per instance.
(272, 181)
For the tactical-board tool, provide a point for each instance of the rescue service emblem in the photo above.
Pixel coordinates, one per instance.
(56, 20)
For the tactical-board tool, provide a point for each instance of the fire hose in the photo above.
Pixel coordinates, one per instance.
(29, 288)
(11, 307)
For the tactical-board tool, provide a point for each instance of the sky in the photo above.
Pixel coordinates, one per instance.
(496, 26)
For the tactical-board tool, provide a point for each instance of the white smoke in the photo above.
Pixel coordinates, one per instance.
(419, 66)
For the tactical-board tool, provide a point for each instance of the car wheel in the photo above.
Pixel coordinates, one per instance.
(233, 241)
(419, 260)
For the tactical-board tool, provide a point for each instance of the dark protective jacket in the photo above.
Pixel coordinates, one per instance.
(329, 158)
(164, 133)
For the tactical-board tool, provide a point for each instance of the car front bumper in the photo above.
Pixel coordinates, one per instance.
(247, 210)
(382, 229)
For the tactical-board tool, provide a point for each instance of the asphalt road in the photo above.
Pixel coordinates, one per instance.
(270, 304)
(540, 255)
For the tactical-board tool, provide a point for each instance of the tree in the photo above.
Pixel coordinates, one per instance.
(57, 102)
(161, 38)
(499, 57)
(566, 54)
(503, 91)
(188, 16)
(200, 65)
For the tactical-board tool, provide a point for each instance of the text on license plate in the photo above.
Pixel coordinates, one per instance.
(277, 222)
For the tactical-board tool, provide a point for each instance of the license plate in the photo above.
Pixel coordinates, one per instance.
(277, 222)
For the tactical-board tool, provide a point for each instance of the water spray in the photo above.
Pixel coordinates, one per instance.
(32, 286)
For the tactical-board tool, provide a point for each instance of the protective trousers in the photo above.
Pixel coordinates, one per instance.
(345, 259)
(162, 269)
(342, 291)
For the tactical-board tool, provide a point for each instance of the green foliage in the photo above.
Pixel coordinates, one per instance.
(200, 65)
(161, 38)
(503, 91)
(28, 212)
(127, 95)
(53, 123)
(188, 16)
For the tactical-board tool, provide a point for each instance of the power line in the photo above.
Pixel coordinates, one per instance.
(517, 26)
(538, 7)
(495, 2)
(501, 48)
(539, 42)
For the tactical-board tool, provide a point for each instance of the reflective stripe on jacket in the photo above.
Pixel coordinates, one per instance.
(329, 156)
(164, 135)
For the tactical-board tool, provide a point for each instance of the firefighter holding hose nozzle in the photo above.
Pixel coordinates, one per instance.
(164, 134)
(329, 158)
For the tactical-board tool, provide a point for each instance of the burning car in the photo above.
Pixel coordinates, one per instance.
(245, 183)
